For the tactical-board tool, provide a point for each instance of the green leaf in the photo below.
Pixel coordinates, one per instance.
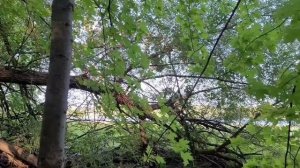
(237, 141)
(160, 160)
(181, 146)
(186, 157)
(119, 65)
(171, 136)
(144, 61)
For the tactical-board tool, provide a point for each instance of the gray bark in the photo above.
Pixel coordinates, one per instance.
(51, 154)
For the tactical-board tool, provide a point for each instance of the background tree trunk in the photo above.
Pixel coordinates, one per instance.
(51, 153)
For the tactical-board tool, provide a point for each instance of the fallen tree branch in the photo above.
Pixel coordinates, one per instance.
(30, 77)
(18, 153)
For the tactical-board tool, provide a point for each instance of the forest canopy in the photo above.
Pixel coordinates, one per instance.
(153, 83)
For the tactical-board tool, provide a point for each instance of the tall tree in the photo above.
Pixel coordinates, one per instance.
(53, 126)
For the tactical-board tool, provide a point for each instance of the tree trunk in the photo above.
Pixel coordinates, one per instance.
(52, 140)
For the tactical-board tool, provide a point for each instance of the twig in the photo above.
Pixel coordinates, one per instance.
(206, 64)
(289, 134)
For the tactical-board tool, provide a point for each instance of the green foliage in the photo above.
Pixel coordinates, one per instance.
(290, 11)
(149, 157)
(151, 52)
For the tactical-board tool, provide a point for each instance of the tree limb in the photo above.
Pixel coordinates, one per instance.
(19, 153)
